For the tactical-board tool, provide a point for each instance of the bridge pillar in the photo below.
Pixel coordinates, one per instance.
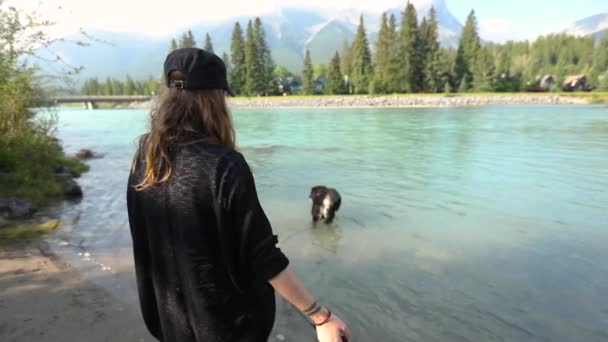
(90, 105)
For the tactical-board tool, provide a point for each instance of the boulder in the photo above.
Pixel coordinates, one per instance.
(85, 154)
(71, 189)
(66, 172)
(14, 208)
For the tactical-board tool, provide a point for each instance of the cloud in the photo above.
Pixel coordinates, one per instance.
(495, 29)
(160, 18)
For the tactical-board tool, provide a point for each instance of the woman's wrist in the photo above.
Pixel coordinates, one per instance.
(321, 317)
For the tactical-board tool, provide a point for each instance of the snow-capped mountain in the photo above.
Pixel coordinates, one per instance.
(589, 26)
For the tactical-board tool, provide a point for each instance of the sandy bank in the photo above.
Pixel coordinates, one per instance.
(394, 101)
(43, 299)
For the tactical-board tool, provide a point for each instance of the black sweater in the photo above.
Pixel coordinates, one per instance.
(204, 249)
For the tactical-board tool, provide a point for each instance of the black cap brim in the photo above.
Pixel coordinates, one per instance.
(230, 91)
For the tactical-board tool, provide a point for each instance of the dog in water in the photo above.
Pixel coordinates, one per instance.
(325, 203)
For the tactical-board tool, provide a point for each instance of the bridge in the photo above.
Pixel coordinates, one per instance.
(90, 102)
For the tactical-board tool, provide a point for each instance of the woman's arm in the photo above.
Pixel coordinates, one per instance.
(291, 288)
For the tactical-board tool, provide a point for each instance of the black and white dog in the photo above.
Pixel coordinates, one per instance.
(325, 202)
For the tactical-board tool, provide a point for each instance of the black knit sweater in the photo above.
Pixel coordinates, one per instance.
(204, 249)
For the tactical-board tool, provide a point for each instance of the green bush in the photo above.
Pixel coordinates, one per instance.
(29, 152)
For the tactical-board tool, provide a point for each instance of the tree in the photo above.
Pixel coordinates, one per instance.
(282, 72)
(484, 71)
(469, 45)
(432, 63)
(308, 86)
(187, 40)
(335, 83)
(265, 58)
(208, 43)
(173, 46)
(362, 72)
(238, 73)
(412, 65)
(226, 60)
(320, 70)
(383, 48)
(129, 88)
(254, 82)
(346, 63)
(393, 69)
(107, 87)
(600, 64)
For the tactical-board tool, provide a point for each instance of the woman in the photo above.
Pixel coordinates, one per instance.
(206, 259)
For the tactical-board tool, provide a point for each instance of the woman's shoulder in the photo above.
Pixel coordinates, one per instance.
(221, 154)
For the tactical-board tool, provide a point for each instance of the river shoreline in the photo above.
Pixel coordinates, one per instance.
(45, 299)
(394, 101)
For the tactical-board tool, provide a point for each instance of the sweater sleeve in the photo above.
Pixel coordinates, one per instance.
(141, 253)
(256, 241)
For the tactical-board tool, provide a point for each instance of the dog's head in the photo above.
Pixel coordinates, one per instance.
(326, 202)
(317, 193)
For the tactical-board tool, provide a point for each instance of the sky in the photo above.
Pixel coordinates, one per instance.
(498, 20)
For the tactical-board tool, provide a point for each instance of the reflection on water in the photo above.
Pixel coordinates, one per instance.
(468, 224)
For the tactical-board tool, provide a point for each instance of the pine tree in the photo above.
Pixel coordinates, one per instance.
(265, 58)
(484, 71)
(96, 88)
(173, 46)
(107, 87)
(238, 72)
(308, 86)
(422, 50)
(600, 64)
(603, 82)
(208, 43)
(463, 88)
(335, 83)
(383, 46)
(393, 70)
(346, 63)
(432, 62)
(362, 72)
(187, 40)
(254, 82)
(412, 69)
(129, 86)
(468, 47)
(226, 60)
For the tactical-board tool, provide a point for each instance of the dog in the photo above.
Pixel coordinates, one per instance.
(325, 203)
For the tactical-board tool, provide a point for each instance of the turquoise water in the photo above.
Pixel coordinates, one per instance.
(467, 224)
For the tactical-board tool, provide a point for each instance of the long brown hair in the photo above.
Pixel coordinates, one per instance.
(181, 117)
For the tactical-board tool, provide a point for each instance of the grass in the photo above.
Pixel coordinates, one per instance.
(26, 232)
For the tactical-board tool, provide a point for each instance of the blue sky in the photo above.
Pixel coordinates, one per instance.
(498, 20)
(527, 18)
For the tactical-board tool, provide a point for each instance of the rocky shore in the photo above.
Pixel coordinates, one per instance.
(394, 101)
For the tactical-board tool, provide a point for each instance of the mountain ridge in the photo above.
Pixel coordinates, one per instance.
(289, 32)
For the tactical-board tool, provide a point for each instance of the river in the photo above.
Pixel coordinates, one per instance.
(457, 224)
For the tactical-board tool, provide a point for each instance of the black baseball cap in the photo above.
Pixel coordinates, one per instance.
(202, 70)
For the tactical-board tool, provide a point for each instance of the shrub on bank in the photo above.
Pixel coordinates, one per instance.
(30, 155)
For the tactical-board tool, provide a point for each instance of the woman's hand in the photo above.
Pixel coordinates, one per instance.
(333, 330)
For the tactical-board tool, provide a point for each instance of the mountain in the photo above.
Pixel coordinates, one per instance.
(595, 26)
(599, 35)
(289, 31)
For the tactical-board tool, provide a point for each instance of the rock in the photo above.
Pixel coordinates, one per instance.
(13, 208)
(85, 154)
(71, 189)
(66, 172)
